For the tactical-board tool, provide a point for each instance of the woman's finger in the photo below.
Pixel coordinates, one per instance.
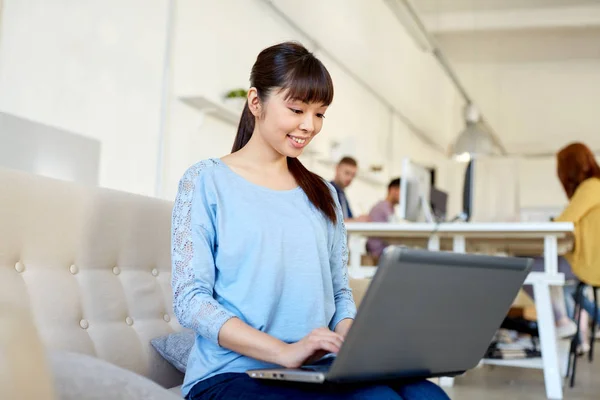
(329, 346)
(333, 339)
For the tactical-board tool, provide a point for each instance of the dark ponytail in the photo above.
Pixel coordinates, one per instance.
(245, 129)
(290, 66)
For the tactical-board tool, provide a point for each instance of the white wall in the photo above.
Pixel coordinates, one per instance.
(215, 45)
(539, 184)
(96, 69)
(540, 193)
(205, 64)
(537, 87)
(92, 68)
(367, 37)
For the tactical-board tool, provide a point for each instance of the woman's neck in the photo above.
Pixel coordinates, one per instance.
(260, 154)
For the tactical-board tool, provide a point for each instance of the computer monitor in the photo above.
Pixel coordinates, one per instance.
(467, 207)
(439, 204)
(415, 191)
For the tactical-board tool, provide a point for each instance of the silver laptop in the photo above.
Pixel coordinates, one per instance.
(425, 314)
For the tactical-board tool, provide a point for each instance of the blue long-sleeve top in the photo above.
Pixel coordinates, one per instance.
(267, 257)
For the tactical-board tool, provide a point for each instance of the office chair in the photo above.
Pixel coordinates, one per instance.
(572, 366)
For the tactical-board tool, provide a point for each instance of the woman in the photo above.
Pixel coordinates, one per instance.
(579, 175)
(259, 247)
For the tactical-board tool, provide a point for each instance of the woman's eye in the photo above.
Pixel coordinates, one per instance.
(295, 111)
(322, 116)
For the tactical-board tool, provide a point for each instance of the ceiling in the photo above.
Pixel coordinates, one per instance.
(439, 6)
(531, 66)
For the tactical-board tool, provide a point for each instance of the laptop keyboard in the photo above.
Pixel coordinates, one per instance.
(322, 365)
(316, 368)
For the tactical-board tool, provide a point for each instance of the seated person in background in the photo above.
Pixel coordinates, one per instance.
(383, 212)
(580, 177)
(345, 172)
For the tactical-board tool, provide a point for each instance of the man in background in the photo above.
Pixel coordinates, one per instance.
(383, 212)
(345, 172)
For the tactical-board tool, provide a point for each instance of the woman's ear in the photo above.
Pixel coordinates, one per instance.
(254, 103)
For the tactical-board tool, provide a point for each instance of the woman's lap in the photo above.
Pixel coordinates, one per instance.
(240, 386)
(420, 390)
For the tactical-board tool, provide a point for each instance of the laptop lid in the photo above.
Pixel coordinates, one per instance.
(428, 314)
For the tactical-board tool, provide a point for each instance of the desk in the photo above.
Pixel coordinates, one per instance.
(549, 239)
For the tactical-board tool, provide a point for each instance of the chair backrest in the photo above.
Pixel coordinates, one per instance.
(93, 268)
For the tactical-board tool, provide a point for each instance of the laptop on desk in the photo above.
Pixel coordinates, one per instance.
(425, 314)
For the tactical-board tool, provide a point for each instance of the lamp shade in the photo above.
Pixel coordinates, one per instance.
(474, 140)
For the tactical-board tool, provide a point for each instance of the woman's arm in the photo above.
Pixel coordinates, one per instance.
(243, 339)
(343, 327)
(193, 268)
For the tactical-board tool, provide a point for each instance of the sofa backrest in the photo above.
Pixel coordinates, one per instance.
(93, 267)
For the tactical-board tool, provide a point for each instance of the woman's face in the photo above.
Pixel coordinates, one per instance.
(288, 126)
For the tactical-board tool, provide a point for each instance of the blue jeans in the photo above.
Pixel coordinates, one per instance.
(588, 305)
(242, 387)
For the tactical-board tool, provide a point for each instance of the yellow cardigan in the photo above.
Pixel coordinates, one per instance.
(584, 211)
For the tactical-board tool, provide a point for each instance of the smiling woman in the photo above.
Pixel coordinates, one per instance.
(259, 246)
(290, 92)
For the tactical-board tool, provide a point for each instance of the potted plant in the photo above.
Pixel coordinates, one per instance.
(236, 99)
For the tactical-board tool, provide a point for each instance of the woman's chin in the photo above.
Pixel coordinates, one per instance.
(292, 152)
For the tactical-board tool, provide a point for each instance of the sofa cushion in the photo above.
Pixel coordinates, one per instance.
(175, 347)
(176, 390)
(82, 377)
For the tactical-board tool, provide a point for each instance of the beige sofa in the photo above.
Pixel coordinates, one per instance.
(91, 268)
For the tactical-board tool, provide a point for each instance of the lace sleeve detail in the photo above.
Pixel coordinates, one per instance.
(192, 258)
(338, 259)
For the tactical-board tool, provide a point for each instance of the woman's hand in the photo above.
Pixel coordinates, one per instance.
(312, 347)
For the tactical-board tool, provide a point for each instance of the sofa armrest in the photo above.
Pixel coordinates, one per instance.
(24, 372)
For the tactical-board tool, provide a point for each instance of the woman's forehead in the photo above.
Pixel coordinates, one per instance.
(286, 97)
(308, 95)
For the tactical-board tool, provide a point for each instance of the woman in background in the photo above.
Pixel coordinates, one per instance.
(259, 248)
(579, 175)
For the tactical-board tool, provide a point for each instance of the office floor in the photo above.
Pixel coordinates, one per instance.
(502, 383)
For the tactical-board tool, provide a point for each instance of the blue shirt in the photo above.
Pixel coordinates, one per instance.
(265, 256)
(346, 210)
